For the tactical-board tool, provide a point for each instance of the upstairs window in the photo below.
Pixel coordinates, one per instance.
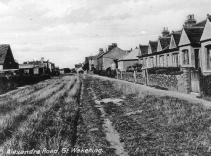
(185, 57)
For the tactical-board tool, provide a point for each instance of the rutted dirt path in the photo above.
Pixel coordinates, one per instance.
(111, 135)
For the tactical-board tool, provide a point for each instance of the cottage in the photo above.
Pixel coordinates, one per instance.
(143, 50)
(77, 66)
(148, 58)
(7, 60)
(29, 68)
(173, 55)
(96, 59)
(206, 47)
(113, 54)
(37, 67)
(109, 58)
(128, 60)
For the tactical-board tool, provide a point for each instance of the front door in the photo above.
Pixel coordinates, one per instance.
(195, 81)
(196, 53)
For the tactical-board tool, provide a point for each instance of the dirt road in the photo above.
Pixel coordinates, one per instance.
(85, 115)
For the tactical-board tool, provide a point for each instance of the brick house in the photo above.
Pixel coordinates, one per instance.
(7, 60)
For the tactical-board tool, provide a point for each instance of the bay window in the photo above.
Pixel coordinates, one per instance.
(209, 57)
(175, 59)
(185, 57)
(161, 60)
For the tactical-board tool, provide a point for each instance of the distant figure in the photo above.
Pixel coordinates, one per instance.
(80, 71)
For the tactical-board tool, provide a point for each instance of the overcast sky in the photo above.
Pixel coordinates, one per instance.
(65, 31)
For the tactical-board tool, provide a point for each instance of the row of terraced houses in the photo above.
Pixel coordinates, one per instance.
(189, 47)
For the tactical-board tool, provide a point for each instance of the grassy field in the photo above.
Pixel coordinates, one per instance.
(88, 115)
(41, 116)
(153, 124)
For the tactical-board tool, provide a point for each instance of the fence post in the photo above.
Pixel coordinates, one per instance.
(135, 76)
(117, 74)
(121, 75)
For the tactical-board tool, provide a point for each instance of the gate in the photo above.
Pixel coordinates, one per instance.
(195, 82)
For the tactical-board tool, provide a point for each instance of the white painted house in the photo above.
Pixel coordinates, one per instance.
(128, 60)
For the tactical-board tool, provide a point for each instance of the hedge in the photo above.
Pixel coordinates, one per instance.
(165, 70)
(11, 82)
(205, 84)
(110, 73)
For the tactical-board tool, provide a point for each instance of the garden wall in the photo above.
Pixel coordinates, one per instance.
(179, 82)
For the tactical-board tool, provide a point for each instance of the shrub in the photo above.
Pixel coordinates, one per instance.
(135, 66)
(165, 70)
(205, 84)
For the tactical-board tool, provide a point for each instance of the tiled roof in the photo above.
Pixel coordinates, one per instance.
(153, 45)
(96, 56)
(3, 52)
(101, 54)
(194, 34)
(131, 56)
(200, 24)
(113, 49)
(164, 41)
(118, 50)
(143, 49)
(176, 37)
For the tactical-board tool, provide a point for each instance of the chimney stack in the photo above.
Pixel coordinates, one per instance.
(42, 59)
(100, 50)
(209, 16)
(113, 45)
(165, 32)
(190, 21)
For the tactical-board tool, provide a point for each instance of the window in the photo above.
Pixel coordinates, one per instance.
(141, 61)
(167, 60)
(185, 57)
(151, 62)
(161, 60)
(209, 58)
(146, 62)
(175, 60)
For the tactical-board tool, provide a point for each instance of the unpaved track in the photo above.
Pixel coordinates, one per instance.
(110, 135)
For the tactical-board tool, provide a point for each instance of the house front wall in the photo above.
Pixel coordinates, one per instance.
(204, 68)
(100, 63)
(120, 65)
(190, 56)
(128, 63)
(95, 63)
(110, 56)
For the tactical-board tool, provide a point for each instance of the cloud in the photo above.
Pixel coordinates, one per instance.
(62, 29)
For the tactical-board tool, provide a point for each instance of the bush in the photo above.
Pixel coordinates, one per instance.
(108, 73)
(205, 84)
(165, 70)
(130, 69)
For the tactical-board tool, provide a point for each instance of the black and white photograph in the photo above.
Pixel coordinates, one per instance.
(105, 78)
